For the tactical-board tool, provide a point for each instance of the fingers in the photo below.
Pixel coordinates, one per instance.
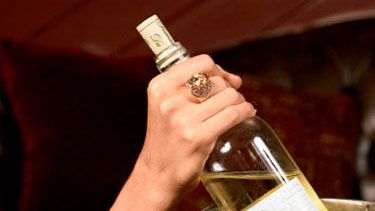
(221, 111)
(198, 64)
(171, 105)
(175, 79)
(227, 97)
(180, 73)
(218, 84)
(234, 80)
(227, 118)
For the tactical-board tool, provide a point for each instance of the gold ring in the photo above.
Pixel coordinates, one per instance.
(199, 86)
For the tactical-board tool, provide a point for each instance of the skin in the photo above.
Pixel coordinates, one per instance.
(181, 133)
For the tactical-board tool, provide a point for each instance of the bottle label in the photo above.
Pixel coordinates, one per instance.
(289, 197)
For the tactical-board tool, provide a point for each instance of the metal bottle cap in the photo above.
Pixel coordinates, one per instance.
(167, 51)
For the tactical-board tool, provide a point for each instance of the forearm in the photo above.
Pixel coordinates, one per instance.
(143, 191)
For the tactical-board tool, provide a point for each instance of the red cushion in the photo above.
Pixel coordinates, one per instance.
(82, 120)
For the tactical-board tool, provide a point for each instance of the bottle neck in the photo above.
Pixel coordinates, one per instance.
(170, 56)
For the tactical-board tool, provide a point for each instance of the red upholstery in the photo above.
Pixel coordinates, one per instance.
(82, 120)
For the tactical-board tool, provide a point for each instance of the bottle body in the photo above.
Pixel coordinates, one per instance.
(250, 169)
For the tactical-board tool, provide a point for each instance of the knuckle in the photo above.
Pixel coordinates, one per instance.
(230, 91)
(207, 61)
(232, 115)
(207, 58)
(232, 95)
(153, 88)
(189, 134)
(222, 82)
(151, 85)
(167, 107)
(219, 84)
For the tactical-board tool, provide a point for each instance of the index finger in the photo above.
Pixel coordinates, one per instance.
(180, 73)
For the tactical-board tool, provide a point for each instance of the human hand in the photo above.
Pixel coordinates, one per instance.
(181, 131)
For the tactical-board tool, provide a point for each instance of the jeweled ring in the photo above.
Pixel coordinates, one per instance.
(199, 86)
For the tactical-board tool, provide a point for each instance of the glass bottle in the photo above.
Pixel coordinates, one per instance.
(249, 167)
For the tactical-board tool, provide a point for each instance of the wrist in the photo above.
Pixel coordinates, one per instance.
(145, 191)
(156, 185)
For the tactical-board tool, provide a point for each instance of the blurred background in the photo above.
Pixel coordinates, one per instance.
(65, 106)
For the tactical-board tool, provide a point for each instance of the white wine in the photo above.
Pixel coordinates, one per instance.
(242, 190)
(249, 167)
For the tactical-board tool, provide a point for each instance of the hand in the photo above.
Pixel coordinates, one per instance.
(181, 131)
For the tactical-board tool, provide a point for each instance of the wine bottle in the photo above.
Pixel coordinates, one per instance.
(249, 167)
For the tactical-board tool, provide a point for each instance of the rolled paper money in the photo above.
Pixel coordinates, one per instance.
(167, 51)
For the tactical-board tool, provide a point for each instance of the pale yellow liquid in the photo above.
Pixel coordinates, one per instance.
(241, 190)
